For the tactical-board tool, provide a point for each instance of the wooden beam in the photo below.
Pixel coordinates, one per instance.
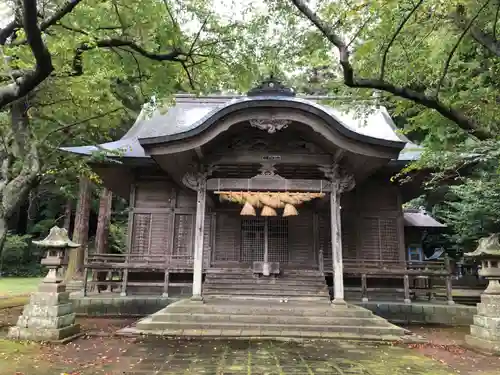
(268, 184)
(276, 157)
(199, 153)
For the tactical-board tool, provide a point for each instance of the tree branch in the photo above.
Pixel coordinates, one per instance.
(119, 16)
(497, 13)
(454, 115)
(195, 40)
(8, 30)
(59, 14)
(43, 60)
(139, 70)
(363, 25)
(395, 35)
(172, 18)
(65, 127)
(55, 18)
(455, 47)
(73, 29)
(174, 55)
(486, 40)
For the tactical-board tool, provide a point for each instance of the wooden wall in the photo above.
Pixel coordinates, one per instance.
(162, 223)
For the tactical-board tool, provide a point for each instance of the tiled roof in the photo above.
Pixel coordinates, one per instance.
(189, 112)
(421, 219)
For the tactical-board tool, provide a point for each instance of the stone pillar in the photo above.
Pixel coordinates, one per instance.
(485, 331)
(198, 238)
(49, 314)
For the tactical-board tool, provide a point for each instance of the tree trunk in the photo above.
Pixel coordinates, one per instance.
(102, 233)
(103, 221)
(67, 214)
(20, 165)
(32, 210)
(80, 232)
(3, 236)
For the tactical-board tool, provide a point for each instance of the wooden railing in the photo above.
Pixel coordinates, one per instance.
(114, 270)
(409, 271)
(395, 267)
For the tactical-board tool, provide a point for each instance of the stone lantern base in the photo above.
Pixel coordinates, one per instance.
(485, 332)
(48, 316)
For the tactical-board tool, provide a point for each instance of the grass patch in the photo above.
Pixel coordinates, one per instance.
(13, 286)
(18, 357)
(13, 301)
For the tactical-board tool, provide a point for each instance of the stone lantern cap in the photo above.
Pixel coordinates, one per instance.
(488, 248)
(57, 238)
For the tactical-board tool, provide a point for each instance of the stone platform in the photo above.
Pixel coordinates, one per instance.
(485, 331)
(254, 318)
(48, 316)
(422, 313)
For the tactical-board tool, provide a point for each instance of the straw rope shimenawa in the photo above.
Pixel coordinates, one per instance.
(268, 201)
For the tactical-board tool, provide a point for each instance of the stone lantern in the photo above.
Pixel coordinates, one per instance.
(485, 331)
(49, 314)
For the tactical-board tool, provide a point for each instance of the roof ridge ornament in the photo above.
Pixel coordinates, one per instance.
(271, 87)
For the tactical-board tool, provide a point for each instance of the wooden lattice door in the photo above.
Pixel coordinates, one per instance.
(261, 232)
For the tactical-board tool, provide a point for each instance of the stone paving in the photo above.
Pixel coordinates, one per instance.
(251, 357)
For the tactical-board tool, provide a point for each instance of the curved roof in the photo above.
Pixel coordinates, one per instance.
(191, 115)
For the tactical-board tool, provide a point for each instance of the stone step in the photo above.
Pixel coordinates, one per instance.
(257, 308)
(149, 325)
(244, 319)
(286, 334)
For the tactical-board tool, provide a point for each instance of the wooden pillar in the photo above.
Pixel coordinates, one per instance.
(338, 269)
(265, 267)
(449, 287)
(130, 236)
(165, 283)
(449, 290)
(198, 238)
(123, 291)
(364, 288)
(406, 281)
(85, 280)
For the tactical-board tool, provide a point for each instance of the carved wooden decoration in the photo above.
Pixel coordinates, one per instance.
(341, 180)
(270, 143)
(267, 170)
(270, 125)
(192, 180)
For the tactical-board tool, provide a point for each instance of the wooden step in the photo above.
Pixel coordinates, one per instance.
(250, 285)
(272, 292)
(265, 281)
